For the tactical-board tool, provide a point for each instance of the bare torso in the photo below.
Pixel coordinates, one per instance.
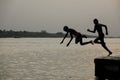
(98, 27)
(73, 32)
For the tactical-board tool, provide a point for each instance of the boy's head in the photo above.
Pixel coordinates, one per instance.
(95, 21)
(65, 28)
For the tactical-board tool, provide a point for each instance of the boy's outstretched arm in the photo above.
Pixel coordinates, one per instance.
(70, 39)
(91, 30)
(64, 38)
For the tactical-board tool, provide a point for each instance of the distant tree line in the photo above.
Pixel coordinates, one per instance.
(20, 34)
(28, 34)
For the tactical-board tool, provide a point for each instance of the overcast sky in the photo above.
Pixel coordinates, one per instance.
(52, 15)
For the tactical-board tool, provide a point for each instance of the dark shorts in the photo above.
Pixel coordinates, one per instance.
(100, 38)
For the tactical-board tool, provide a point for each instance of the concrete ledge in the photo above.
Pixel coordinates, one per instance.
(107, 68)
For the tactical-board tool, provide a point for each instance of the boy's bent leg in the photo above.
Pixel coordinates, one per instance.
(85, 43)
(105, 47)
(96, 41)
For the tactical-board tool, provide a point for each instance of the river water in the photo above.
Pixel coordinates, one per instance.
(47, 59)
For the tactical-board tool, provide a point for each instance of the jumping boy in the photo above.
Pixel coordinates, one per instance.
(78, 36)
(100, 38)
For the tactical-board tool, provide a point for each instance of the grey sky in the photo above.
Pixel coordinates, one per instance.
(52, 15)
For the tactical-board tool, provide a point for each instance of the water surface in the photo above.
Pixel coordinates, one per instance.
(46, 59)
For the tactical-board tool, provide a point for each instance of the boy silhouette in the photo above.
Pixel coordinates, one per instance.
(100, 38)
(78, 36)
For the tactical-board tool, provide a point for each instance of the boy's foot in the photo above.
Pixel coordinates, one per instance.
(109, 53)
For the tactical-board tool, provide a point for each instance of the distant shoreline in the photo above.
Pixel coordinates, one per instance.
(42, 34)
